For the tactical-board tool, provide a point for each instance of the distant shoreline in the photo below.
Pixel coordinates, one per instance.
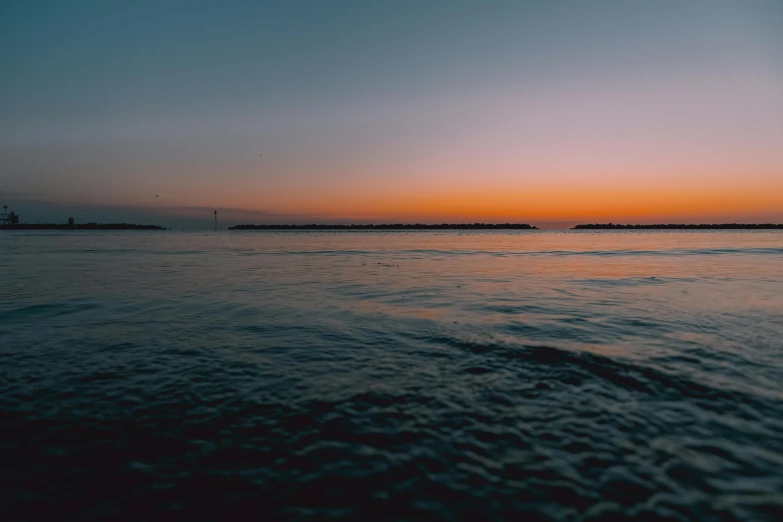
(417, 226)
(81, 226)
(724, 226)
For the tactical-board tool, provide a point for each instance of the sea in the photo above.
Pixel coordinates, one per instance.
(391, 375)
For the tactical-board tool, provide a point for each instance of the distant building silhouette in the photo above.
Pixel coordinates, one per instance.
(8, 218)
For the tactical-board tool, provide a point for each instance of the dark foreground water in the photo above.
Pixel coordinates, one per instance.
(391, 376)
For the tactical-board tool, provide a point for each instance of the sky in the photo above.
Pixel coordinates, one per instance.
(548, 112)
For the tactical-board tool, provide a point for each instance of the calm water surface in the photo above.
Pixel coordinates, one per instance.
(391, 375)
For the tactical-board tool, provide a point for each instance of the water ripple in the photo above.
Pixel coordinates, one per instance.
(468, 376)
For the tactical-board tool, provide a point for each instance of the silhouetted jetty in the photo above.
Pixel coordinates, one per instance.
(80, 226)
(398, 226)
(723, 226)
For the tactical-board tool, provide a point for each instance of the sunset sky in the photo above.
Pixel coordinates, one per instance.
(545, 112)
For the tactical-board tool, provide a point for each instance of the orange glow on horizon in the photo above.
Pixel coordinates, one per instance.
(718, 195)
(536, 204)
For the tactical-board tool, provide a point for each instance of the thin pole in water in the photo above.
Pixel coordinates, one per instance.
(216, 220)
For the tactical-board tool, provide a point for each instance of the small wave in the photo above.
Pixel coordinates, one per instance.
(624, 374)
(634, 281)
(45, 311)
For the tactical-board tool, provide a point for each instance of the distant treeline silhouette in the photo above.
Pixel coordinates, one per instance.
(80, 226)
(397, 226)
(722, 226)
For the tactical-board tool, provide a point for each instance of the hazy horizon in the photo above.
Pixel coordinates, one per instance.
(201, 218)
(548, 113)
